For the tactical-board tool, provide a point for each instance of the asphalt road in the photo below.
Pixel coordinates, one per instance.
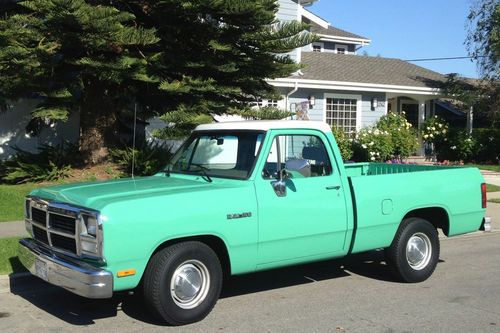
(357, 294)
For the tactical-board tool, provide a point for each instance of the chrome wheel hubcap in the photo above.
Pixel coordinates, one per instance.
(189, 284)
(418, 251)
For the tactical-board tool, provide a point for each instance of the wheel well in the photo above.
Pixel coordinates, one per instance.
(435, 215)
(214, 242)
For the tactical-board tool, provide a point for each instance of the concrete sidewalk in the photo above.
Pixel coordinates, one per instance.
(12, 229)
(492, 178)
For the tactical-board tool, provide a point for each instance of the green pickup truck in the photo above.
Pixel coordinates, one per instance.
(238, 198)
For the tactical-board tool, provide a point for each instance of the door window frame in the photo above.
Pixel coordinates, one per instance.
(269, 139)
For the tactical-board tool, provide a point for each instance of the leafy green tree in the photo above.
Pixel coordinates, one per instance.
(76, 55)
(214, 57)
(193, 57)
(483, 39)
(482, 95)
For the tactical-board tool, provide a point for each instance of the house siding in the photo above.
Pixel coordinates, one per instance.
(13, 123)
(368, 116)
(289, 11)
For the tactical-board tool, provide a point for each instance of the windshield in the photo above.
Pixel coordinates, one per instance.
(224, 154)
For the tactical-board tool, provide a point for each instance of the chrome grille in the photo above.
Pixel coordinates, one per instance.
(53, 227)
(40, 235)
(62, 223)
(62, 227)
(39, 216)
(65, 243)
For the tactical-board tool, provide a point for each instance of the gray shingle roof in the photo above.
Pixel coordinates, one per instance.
(365, 69)
(332, 31)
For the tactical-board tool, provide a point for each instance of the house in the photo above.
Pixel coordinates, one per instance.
(337, 85)
(348, 90)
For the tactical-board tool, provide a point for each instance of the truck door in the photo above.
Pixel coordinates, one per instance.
(310, 220)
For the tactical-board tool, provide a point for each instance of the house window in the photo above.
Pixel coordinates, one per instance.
(272, 103)
(318, 47)
(340, 49)
(342, 113)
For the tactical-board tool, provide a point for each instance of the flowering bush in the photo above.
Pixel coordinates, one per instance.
(373, 144)
(403, 135)
(487, 145)
(458, 145)
(435, 130)
(344, 143)
(392, 137)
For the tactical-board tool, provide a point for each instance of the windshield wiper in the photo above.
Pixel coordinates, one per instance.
(202, 170)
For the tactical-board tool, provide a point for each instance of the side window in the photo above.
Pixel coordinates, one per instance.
(301, 155)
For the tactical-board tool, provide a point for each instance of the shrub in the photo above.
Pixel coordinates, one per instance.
(392, 137)
(344, 143)
(403, 136)
(372, 144)
(487, 145)
(435, 130)
(149, 158)
(51, 163)
(458, 145)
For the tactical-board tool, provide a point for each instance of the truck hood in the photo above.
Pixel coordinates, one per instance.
(96, 195)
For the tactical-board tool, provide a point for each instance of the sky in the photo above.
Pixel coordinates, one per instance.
(406, 29)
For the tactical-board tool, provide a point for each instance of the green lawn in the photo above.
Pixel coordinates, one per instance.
(492, 188)
(11, 201)
(496, 200)
(9, 263)
(495, 168)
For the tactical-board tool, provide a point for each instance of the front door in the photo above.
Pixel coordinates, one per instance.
(311, 219)
(411, 113)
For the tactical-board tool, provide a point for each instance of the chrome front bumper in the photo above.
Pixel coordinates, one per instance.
(78, 277)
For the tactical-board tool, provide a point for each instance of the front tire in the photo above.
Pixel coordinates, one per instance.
(182, 282)
(414, 252)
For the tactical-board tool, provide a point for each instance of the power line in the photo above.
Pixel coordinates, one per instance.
(448, 58)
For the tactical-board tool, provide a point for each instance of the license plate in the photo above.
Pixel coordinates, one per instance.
(41, 269)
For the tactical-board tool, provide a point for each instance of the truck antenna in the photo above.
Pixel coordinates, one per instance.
(133, 139)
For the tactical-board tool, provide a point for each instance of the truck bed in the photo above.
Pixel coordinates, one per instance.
(383, 194)
(371, 169)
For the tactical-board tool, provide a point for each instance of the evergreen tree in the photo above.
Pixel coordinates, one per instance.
(194, 58)
(214, 56)
(75, 55)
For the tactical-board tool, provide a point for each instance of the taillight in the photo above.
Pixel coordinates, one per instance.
(483, 195)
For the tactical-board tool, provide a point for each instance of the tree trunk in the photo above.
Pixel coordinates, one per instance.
(98, 125)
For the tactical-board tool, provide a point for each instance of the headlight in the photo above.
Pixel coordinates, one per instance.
(89, 226)
(89, 234)
(27, 210)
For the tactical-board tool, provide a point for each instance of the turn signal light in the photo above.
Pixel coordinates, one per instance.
(127, 272)
(483, 195)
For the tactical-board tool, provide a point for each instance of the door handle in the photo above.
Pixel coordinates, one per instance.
(336, 187)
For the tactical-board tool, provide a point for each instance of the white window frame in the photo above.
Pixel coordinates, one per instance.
(359, 104)
(320, 44)
(342, 46)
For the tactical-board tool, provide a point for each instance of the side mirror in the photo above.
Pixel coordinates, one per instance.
(279, 185)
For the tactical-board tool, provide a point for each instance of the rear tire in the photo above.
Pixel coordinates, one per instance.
(414, 252)
(182, 282)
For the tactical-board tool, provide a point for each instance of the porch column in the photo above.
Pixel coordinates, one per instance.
(421, 119)
(421, 113)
